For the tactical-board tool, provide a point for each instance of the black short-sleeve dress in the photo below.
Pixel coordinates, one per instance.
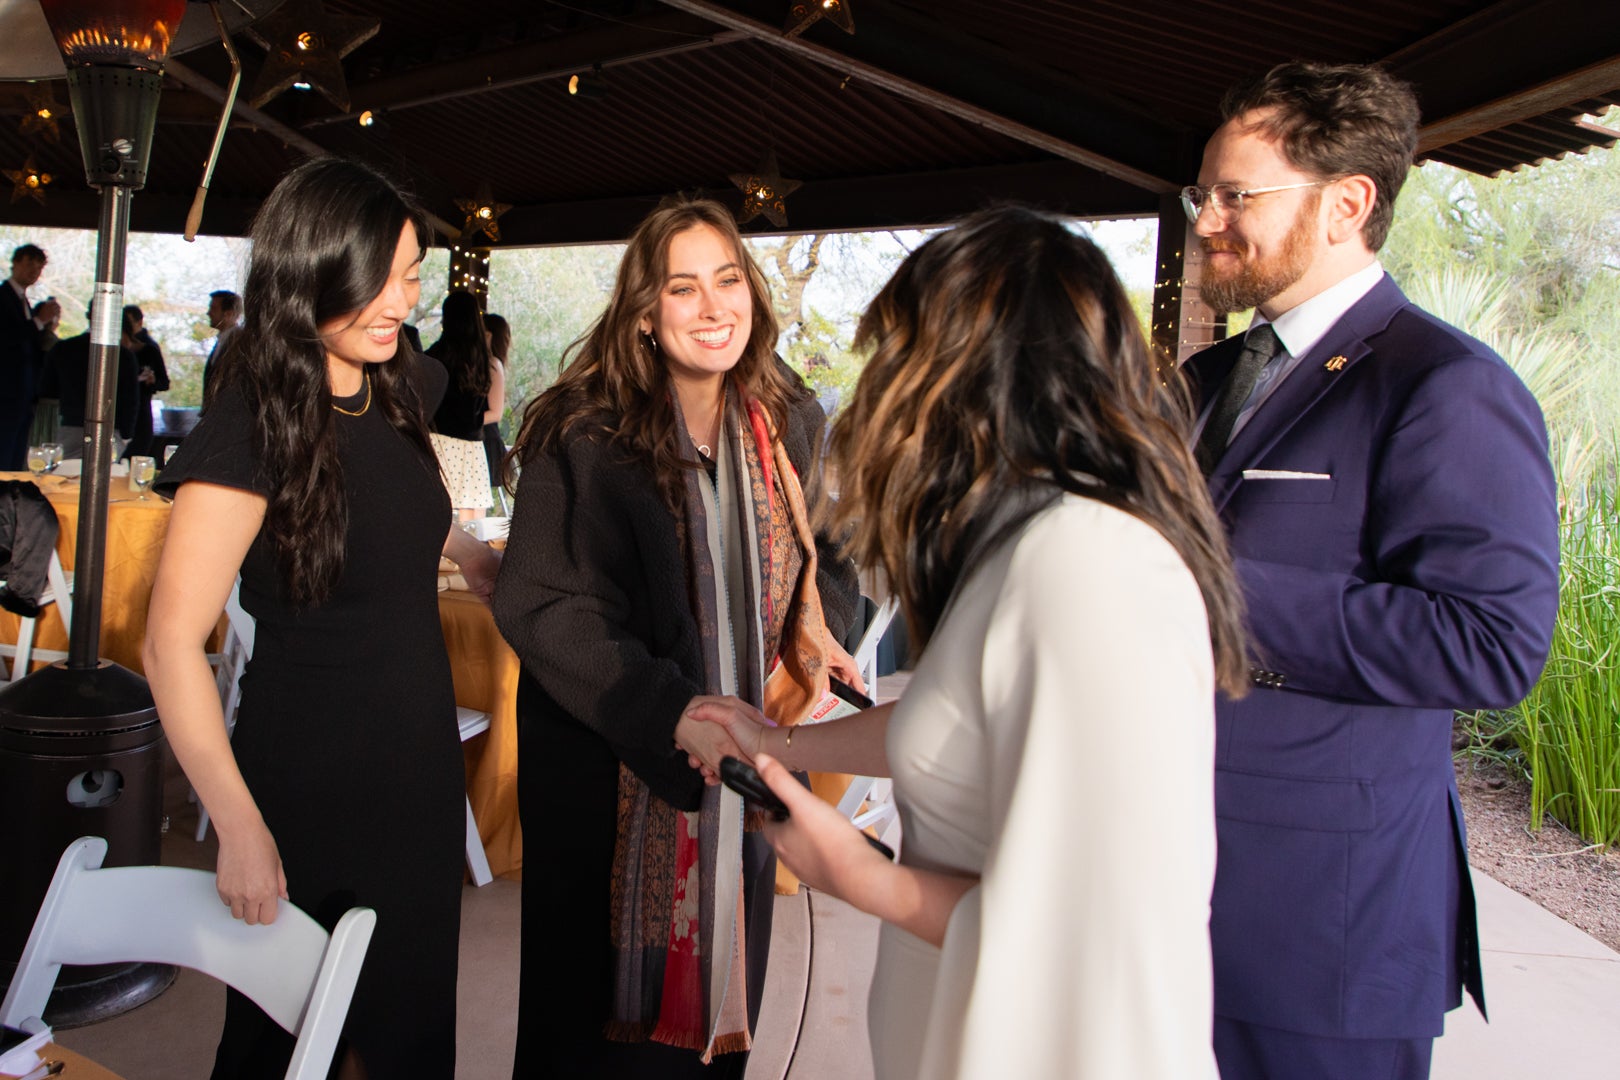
(347, 739)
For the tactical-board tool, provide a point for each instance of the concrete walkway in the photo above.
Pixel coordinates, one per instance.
(1553, 993)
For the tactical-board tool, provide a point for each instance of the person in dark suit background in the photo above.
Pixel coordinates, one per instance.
(225, 316)
(67, 379)
(22, 328)
(1392, 512)
(151, 375)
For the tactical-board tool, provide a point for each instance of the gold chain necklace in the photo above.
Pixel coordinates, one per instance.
(361, 411)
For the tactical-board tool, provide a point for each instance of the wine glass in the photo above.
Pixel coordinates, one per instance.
(168, 452)
(142, 471)
(38, 462)
(53, 455)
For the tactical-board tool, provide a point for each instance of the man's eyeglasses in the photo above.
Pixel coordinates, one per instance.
(1226, 200)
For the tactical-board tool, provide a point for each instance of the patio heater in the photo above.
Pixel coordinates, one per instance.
(81, 750)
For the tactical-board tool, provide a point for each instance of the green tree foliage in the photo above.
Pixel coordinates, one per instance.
(1529, 262)
(551, 296)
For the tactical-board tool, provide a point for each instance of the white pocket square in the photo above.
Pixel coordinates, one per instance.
(1284, 474)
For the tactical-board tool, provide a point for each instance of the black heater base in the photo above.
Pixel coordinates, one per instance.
(91, 995)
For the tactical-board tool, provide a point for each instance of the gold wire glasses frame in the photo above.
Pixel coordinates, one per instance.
(1227, 199)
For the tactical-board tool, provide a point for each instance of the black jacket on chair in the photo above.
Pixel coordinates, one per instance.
(27, 537)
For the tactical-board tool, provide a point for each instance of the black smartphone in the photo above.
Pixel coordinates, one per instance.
(745, 780)
(849, 693)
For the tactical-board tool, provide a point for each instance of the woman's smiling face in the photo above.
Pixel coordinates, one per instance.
(705, 311)
(371, 335)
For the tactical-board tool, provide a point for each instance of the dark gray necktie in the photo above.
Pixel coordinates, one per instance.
(1259, 346)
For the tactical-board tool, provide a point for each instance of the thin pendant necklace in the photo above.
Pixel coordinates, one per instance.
(702, 447)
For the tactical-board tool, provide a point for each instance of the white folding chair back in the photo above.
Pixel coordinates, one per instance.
(866, 653)
(869, 800)
(232, 661)
(58, 591)
(239, 637)
(472, 722)
(302, 978)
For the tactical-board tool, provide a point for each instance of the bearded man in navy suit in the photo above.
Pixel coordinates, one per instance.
(1392, 513)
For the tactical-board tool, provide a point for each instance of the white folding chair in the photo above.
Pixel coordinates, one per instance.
(301, 977)
(869, 800)
(233, 660)
(472, 722)
(866, 653)
(58, 591)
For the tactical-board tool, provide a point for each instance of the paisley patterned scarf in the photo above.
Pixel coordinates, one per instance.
(678, 920)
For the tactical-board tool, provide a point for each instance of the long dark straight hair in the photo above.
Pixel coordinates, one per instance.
(462, 347)
(616, 384)
(323, 247)
(1004, 355)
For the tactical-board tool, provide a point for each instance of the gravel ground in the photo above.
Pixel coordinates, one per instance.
(1553, 867)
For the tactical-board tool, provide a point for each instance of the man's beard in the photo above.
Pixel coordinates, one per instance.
(1255, 282)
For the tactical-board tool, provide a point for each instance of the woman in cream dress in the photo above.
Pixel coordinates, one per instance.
(1019, 466)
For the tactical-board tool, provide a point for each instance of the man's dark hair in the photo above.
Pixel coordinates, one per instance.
(29, 251)
(133, 311)
(227, 299)
(1336, 120)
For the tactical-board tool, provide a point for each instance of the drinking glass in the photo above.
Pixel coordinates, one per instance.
(142, 471)
(168, 451)
(53, 455)
(37, 461)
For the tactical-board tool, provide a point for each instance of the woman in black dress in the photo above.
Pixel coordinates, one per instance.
(659, 557)
(312, 476)
(500, 347)
(458, 423)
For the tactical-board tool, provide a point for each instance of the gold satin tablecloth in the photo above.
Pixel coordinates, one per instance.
(135, 531)
(485, 670)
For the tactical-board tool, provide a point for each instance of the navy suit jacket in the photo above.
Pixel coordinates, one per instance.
(1415, 573)
(19, 353)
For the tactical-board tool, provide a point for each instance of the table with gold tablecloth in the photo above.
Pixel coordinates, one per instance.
(135, 531)
(485, 670)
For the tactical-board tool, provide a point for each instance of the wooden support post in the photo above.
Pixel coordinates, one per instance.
(1182, 322)
(469, 271)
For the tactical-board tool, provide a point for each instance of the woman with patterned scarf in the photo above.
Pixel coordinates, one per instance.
(660, 557)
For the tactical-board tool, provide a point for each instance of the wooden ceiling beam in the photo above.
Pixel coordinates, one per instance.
(975, 82)
(609, 44)
(1592, 81)
(1509, 62)
(878, 202)
(270, 125)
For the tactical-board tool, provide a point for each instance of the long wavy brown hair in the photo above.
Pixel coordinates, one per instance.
(1005, 355)
(615, 384)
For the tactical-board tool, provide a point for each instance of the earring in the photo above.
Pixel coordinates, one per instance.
(652, 339)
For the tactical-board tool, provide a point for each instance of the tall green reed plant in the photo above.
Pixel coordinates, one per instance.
(1569, 730)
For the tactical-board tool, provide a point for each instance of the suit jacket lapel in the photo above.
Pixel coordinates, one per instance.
(1319, 370)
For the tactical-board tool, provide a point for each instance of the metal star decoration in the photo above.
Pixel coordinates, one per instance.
(28, 181)
(802, 14)
(483, 214)
(765, 191)
(44, 115)
(305, 44)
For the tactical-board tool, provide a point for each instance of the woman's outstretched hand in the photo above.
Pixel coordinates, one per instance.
(713, 727)
(249, 877)
(842, 665)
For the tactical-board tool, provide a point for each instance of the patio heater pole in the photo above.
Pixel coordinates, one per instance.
(106, 332)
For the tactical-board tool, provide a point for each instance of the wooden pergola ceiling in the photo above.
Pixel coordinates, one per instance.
(931, 109)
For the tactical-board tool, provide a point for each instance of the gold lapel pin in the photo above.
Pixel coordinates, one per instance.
(1336, 364)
